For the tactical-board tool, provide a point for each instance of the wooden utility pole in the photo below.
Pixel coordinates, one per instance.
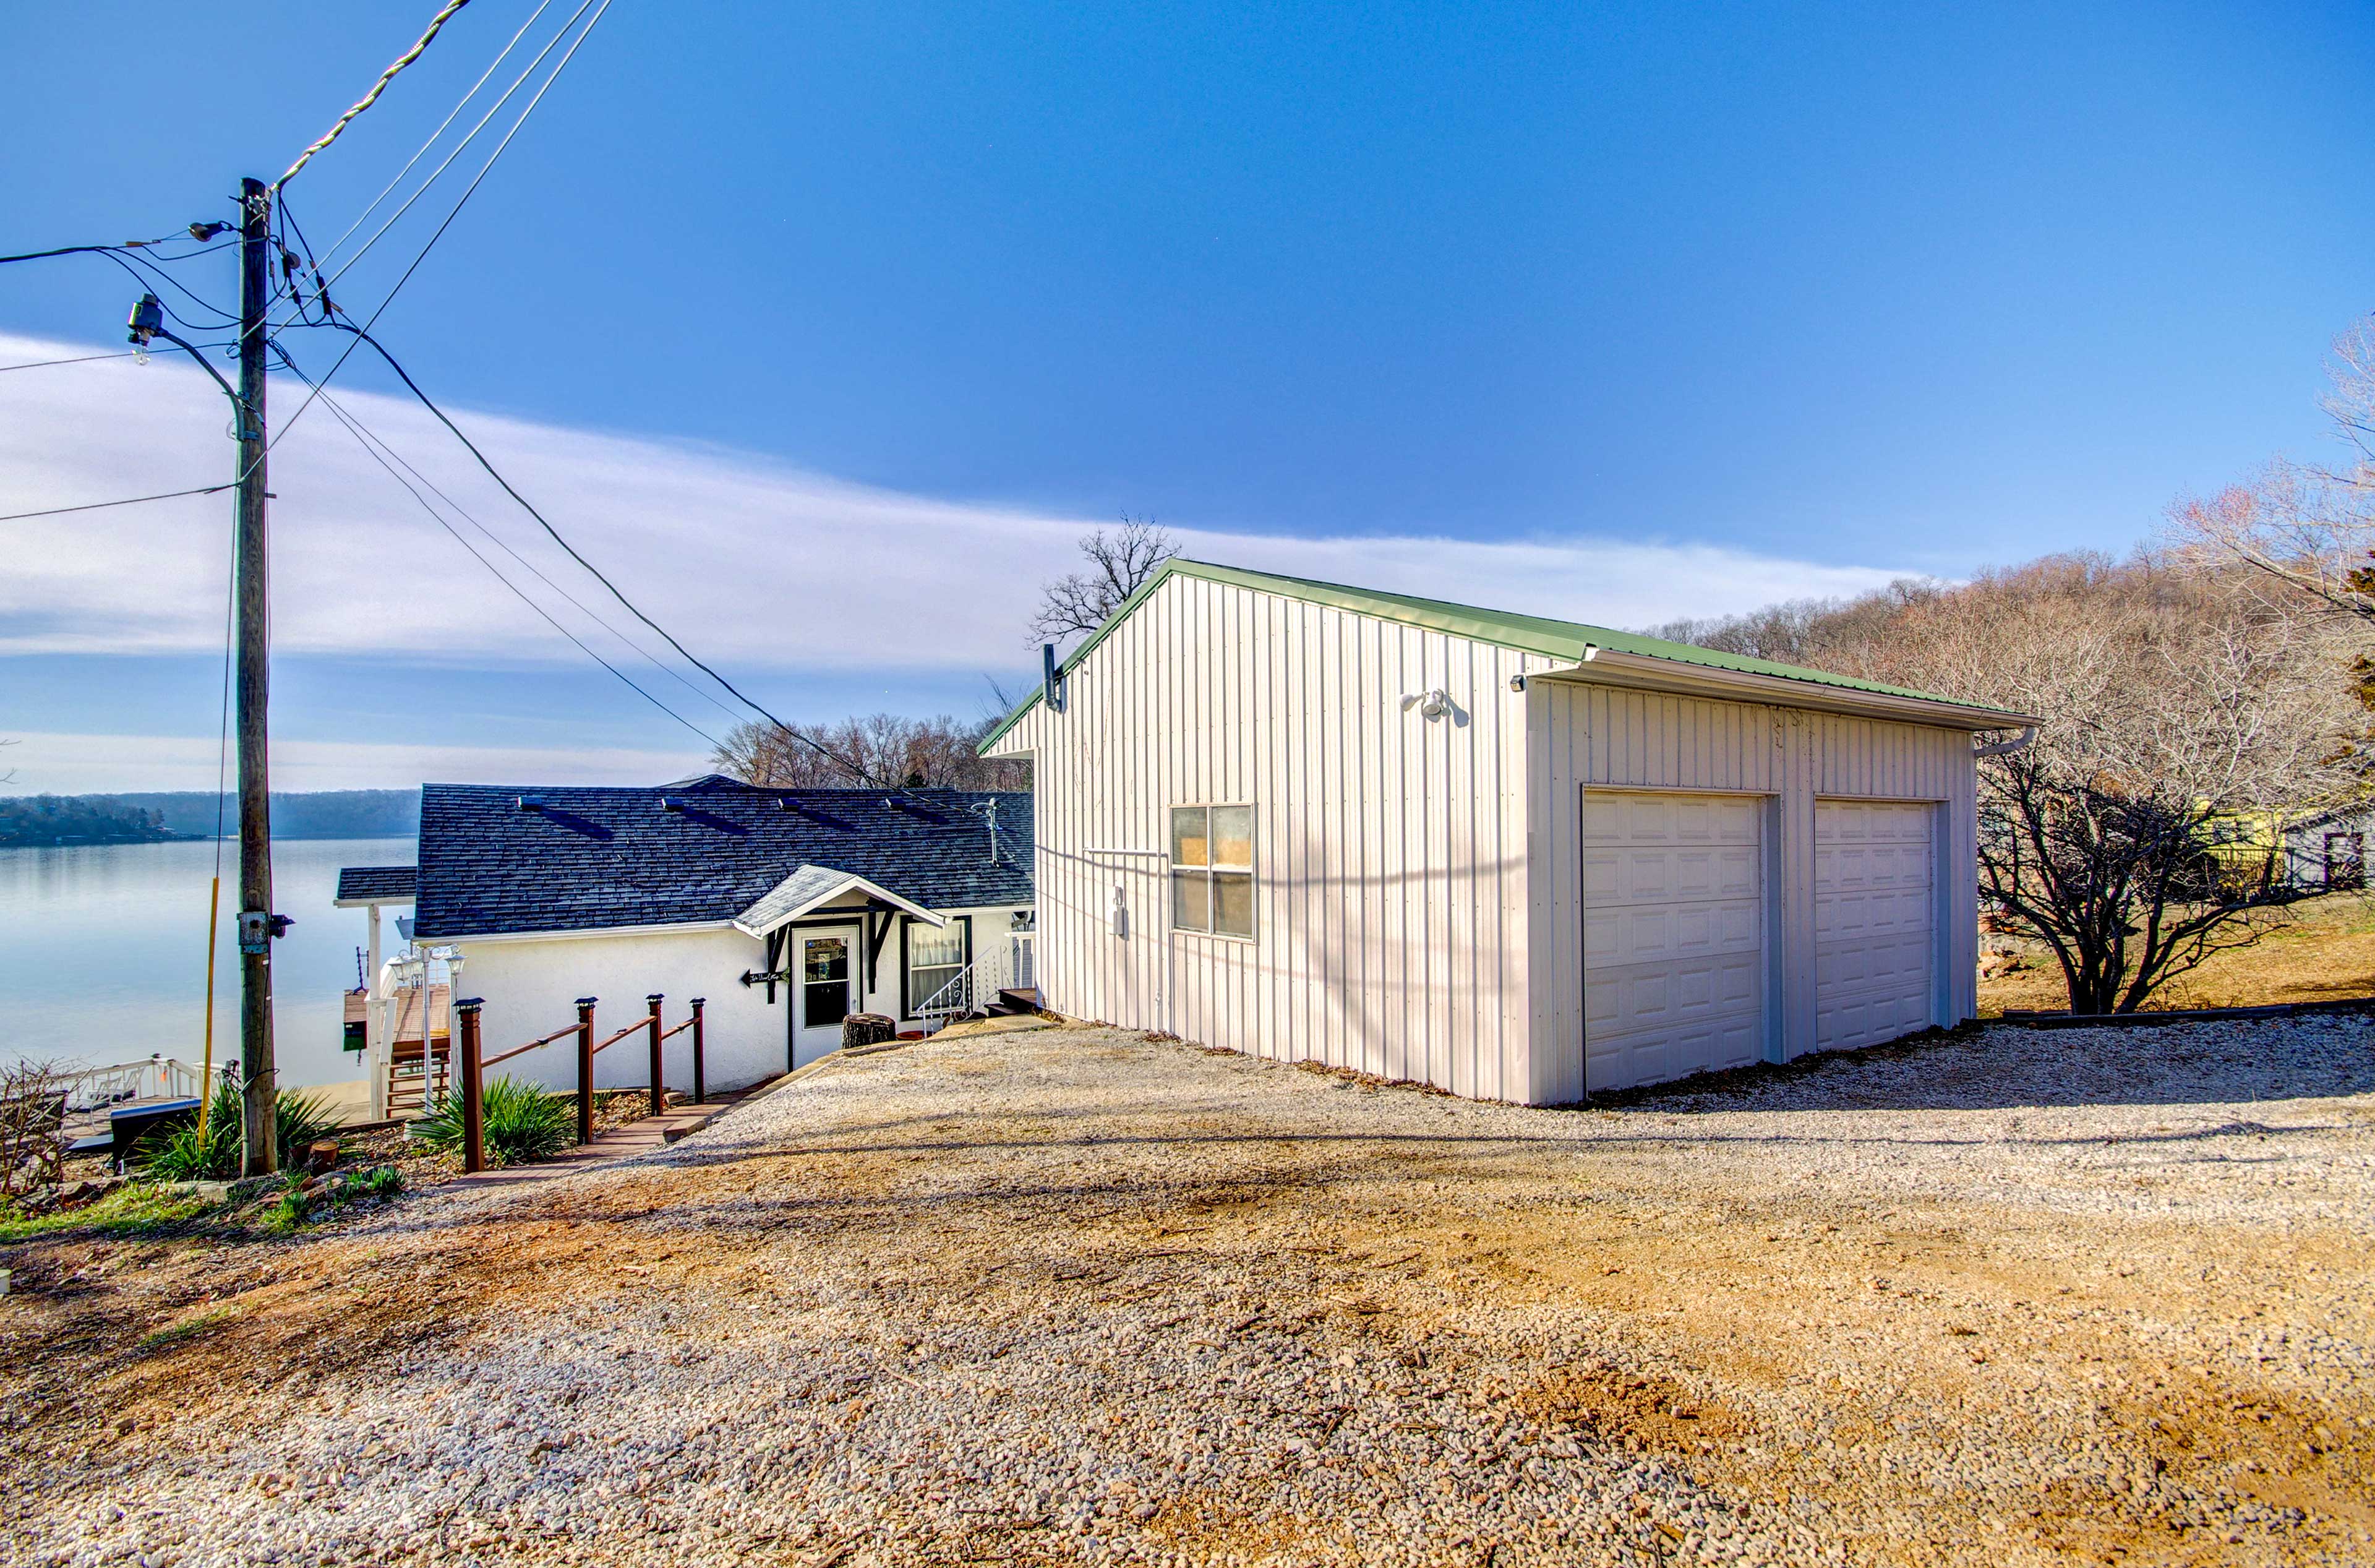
(257, 925)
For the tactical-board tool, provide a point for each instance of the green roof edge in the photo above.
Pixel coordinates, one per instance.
(1526, 633)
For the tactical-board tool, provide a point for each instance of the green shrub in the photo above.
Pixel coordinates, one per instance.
(179, 1154)
(522, 1123)
(296, 1205)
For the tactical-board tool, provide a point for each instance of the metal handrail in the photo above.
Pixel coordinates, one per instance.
(961, 980)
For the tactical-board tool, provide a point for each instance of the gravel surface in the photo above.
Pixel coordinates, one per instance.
(1080, 1296)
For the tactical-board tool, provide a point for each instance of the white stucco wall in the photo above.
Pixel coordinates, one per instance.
(530, 987)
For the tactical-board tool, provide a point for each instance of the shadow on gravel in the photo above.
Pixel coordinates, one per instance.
(2005, 1067)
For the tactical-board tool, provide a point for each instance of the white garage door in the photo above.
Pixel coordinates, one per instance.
(1875, 922)
(1673, 934)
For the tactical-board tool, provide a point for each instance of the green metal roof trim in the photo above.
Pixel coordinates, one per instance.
(1527, 633)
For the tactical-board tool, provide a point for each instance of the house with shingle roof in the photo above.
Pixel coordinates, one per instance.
(783, 909)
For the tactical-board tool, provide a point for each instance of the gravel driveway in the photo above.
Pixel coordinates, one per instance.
(1079, 1295)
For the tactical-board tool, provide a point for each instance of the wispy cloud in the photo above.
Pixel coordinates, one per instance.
(752, 561)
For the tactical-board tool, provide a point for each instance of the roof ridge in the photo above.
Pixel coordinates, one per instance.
(1571, 639)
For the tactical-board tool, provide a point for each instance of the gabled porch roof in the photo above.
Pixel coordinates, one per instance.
(813, 887)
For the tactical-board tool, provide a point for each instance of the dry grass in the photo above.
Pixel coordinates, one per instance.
(2326, 953)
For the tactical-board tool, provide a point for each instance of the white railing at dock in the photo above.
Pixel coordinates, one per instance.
(159, 1078)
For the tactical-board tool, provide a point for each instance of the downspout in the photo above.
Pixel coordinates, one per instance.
(2006, 748)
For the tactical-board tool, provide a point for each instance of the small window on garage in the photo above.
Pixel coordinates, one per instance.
(1212, 869)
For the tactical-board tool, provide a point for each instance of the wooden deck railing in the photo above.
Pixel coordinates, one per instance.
(473, 1068)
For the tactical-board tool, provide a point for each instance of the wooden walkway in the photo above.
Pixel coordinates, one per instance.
(618, 1143)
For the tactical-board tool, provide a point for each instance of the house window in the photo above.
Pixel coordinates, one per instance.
(935, 957)
(1212, 869)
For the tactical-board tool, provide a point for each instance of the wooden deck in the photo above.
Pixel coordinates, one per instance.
(409, 1088)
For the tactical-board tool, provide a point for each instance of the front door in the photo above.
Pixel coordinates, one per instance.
(822, 968)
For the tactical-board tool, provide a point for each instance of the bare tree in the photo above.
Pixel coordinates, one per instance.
(2304, 526)
(1803, 631)
(919, 753)
(2307, 531)
(2182, 712)
(32, 1119)
(1119, 563)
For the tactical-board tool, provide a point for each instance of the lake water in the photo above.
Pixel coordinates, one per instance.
(103, 952)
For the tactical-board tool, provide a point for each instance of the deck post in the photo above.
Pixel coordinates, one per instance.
(659, 1093)
(586, 1069)
(474, 1149)
(700, 1075)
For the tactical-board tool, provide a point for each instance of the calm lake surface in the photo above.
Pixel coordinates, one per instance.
(103, 952)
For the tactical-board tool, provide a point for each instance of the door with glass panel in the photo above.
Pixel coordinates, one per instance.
(822, 966)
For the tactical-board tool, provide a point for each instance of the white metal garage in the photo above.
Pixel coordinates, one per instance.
(1673, 943)
(1514, 857)
(1876, 920)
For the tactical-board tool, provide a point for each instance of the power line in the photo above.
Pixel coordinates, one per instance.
(435, 24)
(455, 114)
(101, 505)
(494, 109)
(372, 443)
(84, 359)
(390, 298)
(126, 257)
(505, 546)
(363, 334)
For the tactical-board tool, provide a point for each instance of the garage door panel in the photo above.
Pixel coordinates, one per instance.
(1673, 934)
(1876, 920)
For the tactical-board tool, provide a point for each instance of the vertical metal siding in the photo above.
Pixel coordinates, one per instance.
(1392, 851)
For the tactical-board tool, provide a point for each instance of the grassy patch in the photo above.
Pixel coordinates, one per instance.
(138, 1209)
(2325, 954)
(189, 1327)
(301, 1203)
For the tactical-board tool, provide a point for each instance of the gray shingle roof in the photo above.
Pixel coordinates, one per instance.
(587, 858)
(377, 884)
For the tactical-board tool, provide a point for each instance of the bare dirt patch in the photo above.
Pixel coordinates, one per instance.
(1073, 1295)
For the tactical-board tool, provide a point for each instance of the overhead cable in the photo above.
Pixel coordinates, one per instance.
(389, 297)
(84, 359)
(506, 547)
(372, 443)
(407, 58)
(363, 334)
(492, 110)
(101, 505)
(332, 249)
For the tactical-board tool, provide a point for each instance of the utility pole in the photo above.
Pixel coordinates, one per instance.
(257, 925)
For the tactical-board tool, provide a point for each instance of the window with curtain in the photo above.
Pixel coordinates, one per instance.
(1212, 869)
(934, 958)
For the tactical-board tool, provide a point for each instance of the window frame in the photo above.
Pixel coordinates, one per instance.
(1213, 871)
(907, 999)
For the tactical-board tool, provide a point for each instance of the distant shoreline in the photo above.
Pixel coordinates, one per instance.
(49, 821)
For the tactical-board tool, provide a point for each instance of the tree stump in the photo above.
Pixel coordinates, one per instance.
(867, 1029)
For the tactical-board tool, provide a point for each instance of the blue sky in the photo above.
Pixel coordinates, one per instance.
(1833, 292)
